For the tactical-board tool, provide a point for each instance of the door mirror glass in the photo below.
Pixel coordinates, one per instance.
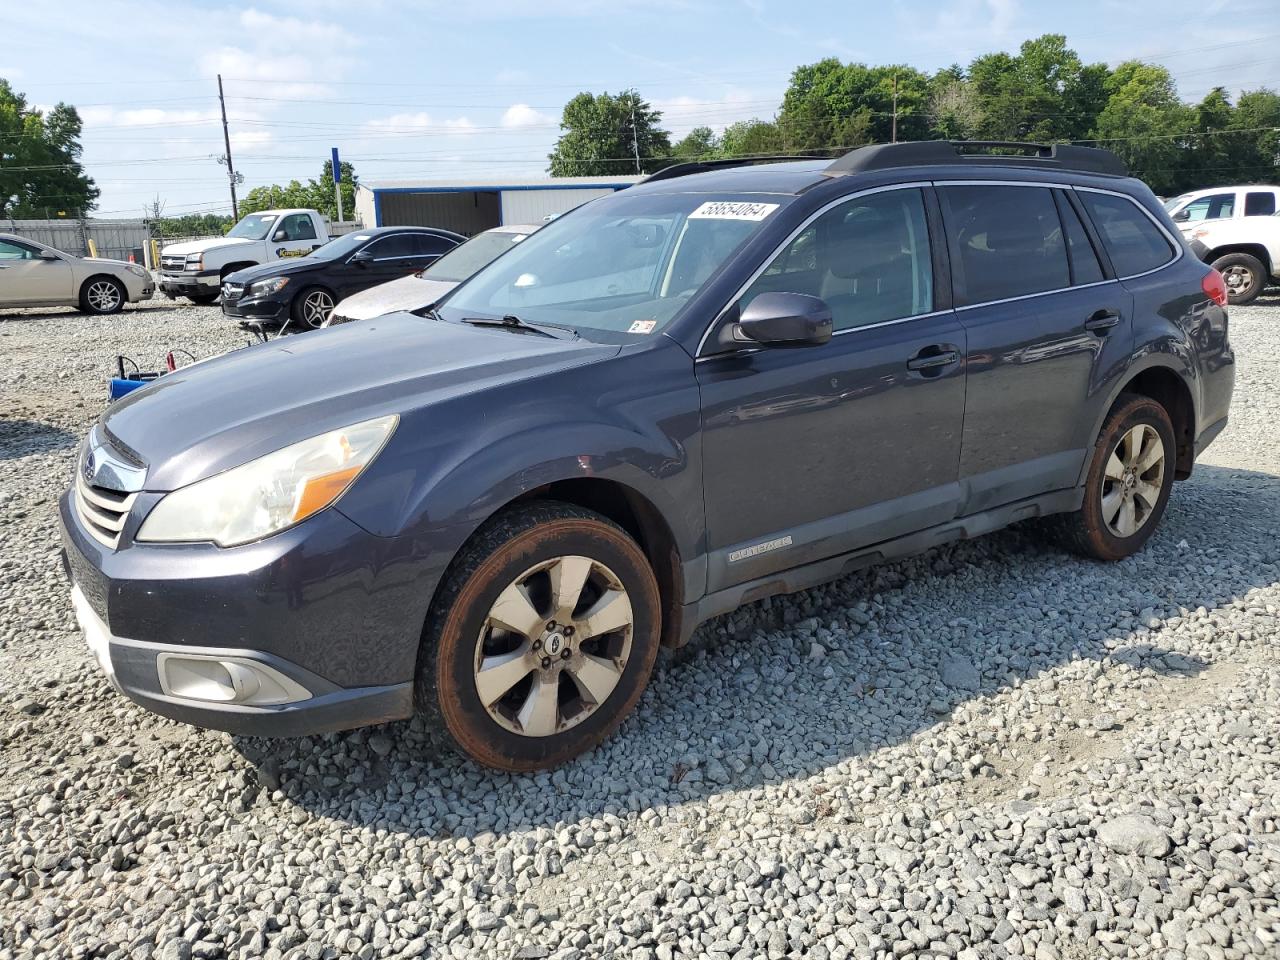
(786, 319)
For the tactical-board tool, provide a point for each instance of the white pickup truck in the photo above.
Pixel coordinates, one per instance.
(195, 269)
(1246, 251)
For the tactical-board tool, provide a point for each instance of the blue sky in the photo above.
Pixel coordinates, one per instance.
(422, 88)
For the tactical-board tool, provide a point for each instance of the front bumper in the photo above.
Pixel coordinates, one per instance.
(324, 605)
(204, 283)
(255, 308)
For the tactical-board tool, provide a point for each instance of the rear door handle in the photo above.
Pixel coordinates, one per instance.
(930, 358)
(1102, 321)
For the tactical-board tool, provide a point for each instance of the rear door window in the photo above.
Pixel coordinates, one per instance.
(1085, 267)
(1259, 203)
(1006, 241)
(1133, 241)
(868, 258)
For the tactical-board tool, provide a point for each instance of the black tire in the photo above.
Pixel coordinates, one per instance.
(203, 299)
(458, 632)
(1088, 531)
(102, 295)
(303, 309)
(1246, 272)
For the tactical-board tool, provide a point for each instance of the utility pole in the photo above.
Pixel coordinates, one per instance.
(635, 135)
(894, 136)
(226, 139)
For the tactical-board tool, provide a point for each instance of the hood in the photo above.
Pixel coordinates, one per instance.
(107, 260)
(407, 293)
(219, 414)
(202, 246)
(284, 267)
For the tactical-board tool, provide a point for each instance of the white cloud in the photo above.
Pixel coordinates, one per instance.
(296, 30)
(520, 115)
(682, 114)
(418, 124)
(250, 141)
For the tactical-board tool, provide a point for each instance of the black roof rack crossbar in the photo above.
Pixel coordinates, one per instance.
(1063, 156)
(702, 166)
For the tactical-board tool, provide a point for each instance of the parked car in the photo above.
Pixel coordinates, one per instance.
(1189, 210)
(1245, 251)
(35, 275)
(195, 269)
(423, 289)
(724, 383)
(304, 290)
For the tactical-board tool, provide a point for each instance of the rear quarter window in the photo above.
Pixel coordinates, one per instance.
(1133, 241)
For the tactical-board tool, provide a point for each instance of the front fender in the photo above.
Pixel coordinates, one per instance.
(632, 419)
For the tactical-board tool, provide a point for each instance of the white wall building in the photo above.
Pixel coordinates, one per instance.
(468, 206)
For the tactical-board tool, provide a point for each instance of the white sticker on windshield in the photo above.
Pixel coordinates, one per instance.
(732, 210)
(642, 326)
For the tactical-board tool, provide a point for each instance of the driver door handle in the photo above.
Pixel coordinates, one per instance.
(934, 357)
(1102, 321)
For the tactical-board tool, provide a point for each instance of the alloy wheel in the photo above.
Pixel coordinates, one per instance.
(554, 646)
(1133, 480)
(316, 308)
(103, 296)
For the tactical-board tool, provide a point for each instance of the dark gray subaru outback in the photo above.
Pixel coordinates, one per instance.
(728, 382)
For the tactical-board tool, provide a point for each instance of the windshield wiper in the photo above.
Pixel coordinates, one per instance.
(512, 322)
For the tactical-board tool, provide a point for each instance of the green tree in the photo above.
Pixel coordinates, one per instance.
(833, 105)
(752, 138)
(700, 143)
(602, 134)
(1256, 117)
(314, 194)
(40, 170)
(1146, 124)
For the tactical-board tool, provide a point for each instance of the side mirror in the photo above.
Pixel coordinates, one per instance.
(786, 320)
(362, 258)
(1182, 215)
(278, 236)
(48, 255)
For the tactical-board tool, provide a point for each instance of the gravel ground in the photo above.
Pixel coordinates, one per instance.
(992, 750)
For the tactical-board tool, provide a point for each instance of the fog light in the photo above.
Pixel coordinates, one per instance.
(237, 680)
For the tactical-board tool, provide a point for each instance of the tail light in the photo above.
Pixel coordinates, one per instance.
(1215, 288)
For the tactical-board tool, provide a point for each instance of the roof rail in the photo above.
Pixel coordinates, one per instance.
(1060, 156)
(702, 166)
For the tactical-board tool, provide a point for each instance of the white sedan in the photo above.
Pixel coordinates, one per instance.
(33, 275)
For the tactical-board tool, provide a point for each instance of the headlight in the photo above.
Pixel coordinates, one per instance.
(195, 261)
(262, 288)
(137, 271)
(270, 494)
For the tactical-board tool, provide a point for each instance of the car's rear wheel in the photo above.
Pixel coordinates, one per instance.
(1244, 276)
(542, 638)
(1128, 485)
(311, 308)
(103, 295)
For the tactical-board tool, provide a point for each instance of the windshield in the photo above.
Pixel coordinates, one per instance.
(253, 227)
(461, 262)
(343, 246)
(615, 269)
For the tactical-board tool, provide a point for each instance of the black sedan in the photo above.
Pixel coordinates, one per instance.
(302, 291)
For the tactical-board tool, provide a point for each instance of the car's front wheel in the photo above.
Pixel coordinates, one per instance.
(542, 638)
(311, 308)
(103, 295)
(1244, 276)
(1128, 484)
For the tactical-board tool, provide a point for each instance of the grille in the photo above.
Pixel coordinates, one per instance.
(102, 511)
(175, 264)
